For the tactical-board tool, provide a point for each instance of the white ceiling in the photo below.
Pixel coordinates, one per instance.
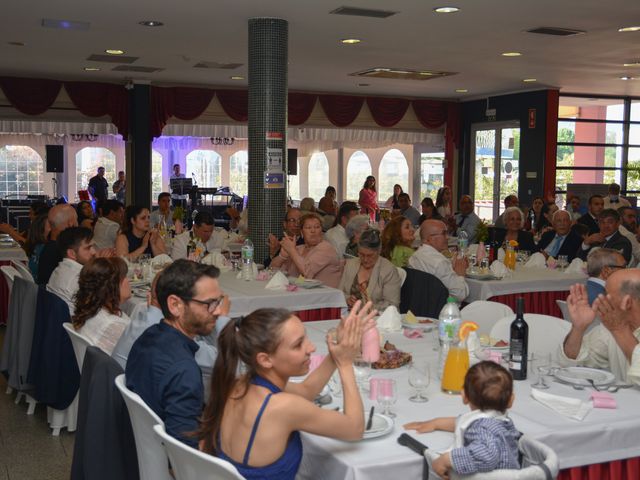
(468, 42)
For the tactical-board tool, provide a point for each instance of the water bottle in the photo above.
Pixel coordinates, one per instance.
(247, 259)
(448, 325)
(463, 243)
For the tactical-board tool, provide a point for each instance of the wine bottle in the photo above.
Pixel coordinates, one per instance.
(519, 343)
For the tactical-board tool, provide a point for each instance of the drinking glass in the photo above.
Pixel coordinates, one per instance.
(387, 396)
(540, 364)
(435, 336)
(563, 262)
(362, 372)
(419, 377)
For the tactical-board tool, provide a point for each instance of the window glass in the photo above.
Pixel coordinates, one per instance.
(21, 170)
(564, 177)
(358, 169)
(579, 156)
(87, 162)
(635, 111)
(318, 175)
(633, 173)
(239, 173)
(156, 176)
(393, 169)
(590, 132)
(205, 165)
(294, 184)
(431, 174)
(591, 108)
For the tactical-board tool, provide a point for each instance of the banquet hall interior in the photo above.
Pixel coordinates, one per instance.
(489, 98)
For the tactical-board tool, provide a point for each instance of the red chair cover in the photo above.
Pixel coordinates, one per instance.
(535, 302)
(628, 469)
(319, 314)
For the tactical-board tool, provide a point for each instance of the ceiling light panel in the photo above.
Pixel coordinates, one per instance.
(65, 24)
(362, 12)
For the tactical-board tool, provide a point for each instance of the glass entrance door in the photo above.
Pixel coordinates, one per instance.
(496, 150)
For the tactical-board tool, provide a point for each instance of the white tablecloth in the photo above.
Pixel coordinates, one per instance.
(249, 296)
(13, 254)
(523, 280)
(603, 436)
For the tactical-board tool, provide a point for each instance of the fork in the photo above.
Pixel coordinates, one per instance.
(593, 384)
(575, 387)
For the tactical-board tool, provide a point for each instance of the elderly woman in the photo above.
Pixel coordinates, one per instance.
(352, 230)
(514, 222)
(397, 241)
(371, 277)
(315, 259)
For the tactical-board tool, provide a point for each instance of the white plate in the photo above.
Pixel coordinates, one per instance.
(580, 375)
(305, 283)
(481, 276)
(425, 327)
(380, 426)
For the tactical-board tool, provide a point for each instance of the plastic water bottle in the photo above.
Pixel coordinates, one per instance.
(247, 259)
(449, 322)
(463, 243)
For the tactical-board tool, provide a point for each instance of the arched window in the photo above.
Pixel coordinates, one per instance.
(88, 160)
(156, 176)
(206, 166)
(239, 172)
(358, 169)
(393, 169)
(294, 184)
(20, 171)
(318, 175)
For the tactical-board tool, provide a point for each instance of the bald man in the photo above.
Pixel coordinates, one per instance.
(60, 218)
(429, 258)
(613, 345)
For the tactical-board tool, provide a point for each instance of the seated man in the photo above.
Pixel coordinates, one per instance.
(428, 258)
(601, 263)
(466, 220)
(152, 315)
(60, 218)
(108, 225)
(613, 199)
(76, 246)
(291, 229)
(607, 237)
(613, 345)
(337, 236)
(629, 229)
(196, 243)
(163, 211)
(161, 366)
(590, 219)
(562, 240)
(509, 201)
(407, 211)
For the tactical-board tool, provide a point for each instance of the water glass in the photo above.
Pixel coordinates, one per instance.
(419, 378)
(362, 372)
(387, 396)
(563, 262)
(540, 364)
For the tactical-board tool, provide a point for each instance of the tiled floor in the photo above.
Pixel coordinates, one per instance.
(28, 451)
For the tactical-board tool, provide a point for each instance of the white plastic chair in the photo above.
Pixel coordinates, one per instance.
(485, 314)
(24, 271)
(9, 274)
(403, 275)
(546, 333)
(190, 464)
(79, 343)
(152, 459)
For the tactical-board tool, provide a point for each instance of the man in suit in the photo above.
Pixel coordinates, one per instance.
(590, 219)
(608, 237)
(629, 229)
(562, 240)
(467, 220)
(601, 263)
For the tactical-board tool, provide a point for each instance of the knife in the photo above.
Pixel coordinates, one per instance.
(370, 421)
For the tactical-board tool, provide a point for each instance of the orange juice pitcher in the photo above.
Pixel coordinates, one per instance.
(455, 368)
(510, 258)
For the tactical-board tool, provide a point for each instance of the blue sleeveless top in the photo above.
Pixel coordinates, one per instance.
(284, 468)
(135, 243)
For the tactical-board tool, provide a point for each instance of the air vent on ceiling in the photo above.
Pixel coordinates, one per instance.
(558, 32)
(401, 73)
(65, 24)
(221, 66)
(362, 12)
(111, 58)
(136, 68)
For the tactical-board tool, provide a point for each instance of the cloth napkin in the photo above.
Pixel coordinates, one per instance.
(501, 254)
(412, 333)
(278, 282)
(390, 320)
(569, 407)
(161, 259)
(603, 400)
(217, 260)
(536, 260)
(499, 269)
(577, 265)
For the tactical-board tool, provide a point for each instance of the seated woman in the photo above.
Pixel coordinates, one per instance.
(354, 228)
(308, 205)
(392, 201)
(315, 259)
(397, 241)
(328, 204)
(536, 218)
(371, 277)
(37, 236)
(429, 211)
(102, 286)
(86, 215)
(136, 238)
(514, 221)
(253, 419)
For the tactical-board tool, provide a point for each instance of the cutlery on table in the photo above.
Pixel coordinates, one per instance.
(370, 420)
(573, 385)
(615, 388)
(593, 384)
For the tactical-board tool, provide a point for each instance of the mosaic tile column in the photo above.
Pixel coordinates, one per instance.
(268, 42)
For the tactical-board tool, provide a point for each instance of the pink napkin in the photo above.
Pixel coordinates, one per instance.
(262, 276)
(316, 360)
(494, 356)
(603, 400)
(412, 333)
(292, 288)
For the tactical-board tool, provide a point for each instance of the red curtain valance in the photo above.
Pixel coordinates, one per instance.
(387, 111)
(341, 110)
(235, 103)
(31, 96)
(300, 107)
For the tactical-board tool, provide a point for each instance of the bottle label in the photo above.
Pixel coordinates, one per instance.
(517, 351)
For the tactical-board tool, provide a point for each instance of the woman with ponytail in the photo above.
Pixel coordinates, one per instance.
(253, 418)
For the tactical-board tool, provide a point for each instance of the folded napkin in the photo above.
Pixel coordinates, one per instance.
(551, 262)
(390, 320)
(161, 259)
(278, 282)
(603, 400)
(501, 254)
(536, 260)
(412, 333)
(216, 259)
(499, 269)
(569, 407)
(577, 265)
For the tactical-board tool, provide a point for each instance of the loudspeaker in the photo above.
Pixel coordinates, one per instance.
(55, 158)
(292, 161)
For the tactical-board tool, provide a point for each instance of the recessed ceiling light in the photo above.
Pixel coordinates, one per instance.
(150, 23)
(626, 77)
(635, 28)
(350, 41)
(237, 77)
(461, 90)
(16, 44)
(91, 69)
(632, 64)
(511, 54)
(112, 51)
(529, 80)
(446, 9)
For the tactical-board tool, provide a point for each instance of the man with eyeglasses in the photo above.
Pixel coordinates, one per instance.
(607, 237)
(290, 228)
(429, 258)
(161, 366)
(601, 263)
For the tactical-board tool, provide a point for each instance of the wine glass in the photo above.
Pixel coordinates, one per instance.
(387, 396)
(362, 372)
(563, 262)
(540, 363)
(419, 378)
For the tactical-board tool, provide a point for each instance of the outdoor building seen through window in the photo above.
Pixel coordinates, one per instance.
(21, 170)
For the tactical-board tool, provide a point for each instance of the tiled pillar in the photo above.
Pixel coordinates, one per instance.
(268, 40)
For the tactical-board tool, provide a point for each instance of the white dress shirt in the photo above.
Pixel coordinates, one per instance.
(600, 350)
(156, 217)
(64, 281)
(429, 260)
(217, 240)
(105, 233)
(337, 236)
(622, 202)
(105, 329)
(635, 245)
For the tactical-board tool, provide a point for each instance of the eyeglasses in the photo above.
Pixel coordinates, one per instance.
(617, 266)
(211, 304)
(293, 221)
